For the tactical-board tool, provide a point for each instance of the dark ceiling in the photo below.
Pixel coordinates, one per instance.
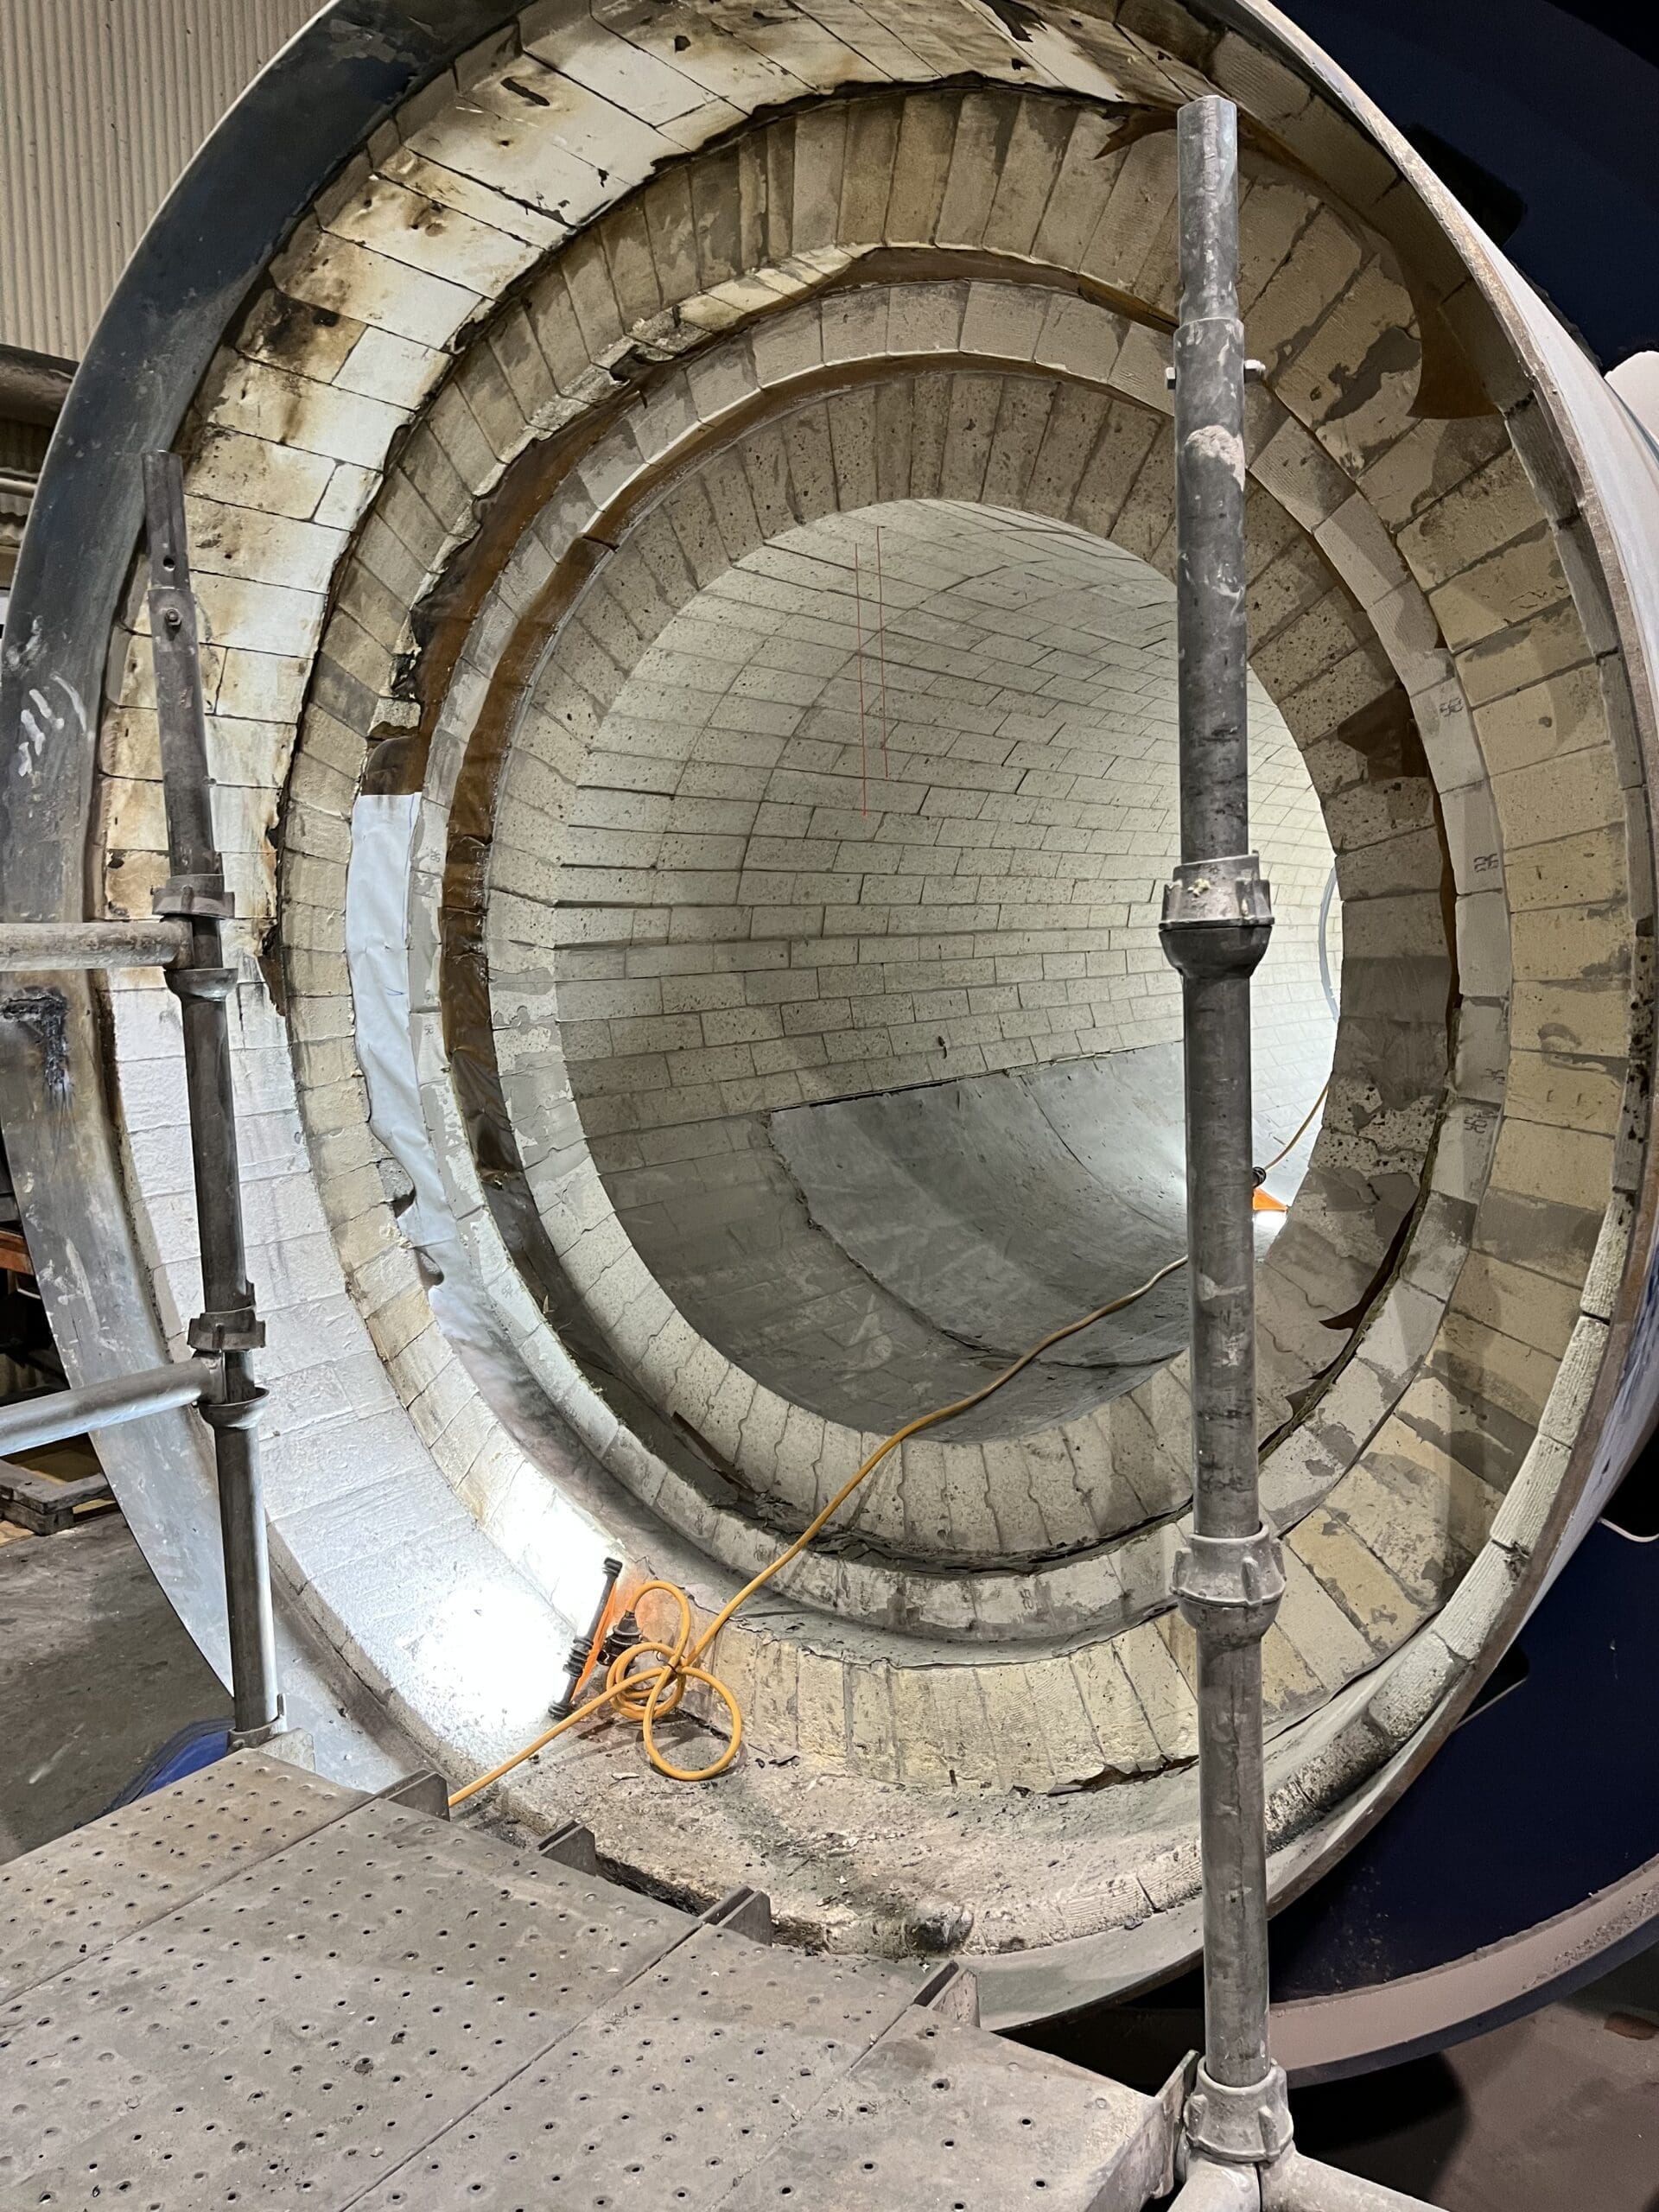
(1544, 117)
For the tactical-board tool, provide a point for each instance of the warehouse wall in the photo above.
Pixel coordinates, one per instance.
(102, 104)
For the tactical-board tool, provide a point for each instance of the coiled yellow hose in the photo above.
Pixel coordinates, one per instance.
(648, 1682)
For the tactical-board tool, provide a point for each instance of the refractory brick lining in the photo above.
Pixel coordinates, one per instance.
(910, 813)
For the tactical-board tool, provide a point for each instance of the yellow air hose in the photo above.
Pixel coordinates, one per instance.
(647, 1683)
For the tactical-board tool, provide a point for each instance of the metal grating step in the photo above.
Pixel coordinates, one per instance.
(304, 2025)
(940, 2117)
(257, 1988)
(668, 2095)
(74, 1899)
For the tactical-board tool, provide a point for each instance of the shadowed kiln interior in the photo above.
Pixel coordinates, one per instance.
(900, 1092)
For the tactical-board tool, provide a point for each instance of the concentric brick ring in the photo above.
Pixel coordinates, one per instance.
(599, 316)
(745, 913)
(551, 932)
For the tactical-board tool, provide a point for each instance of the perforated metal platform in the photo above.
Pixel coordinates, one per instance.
(257, 1988)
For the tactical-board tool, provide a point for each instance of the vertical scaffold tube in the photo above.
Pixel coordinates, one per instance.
(1215, 925)
(228, 1328)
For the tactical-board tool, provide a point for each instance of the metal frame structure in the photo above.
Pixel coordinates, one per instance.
(347, 70)
(1217, 918)
(187, 943)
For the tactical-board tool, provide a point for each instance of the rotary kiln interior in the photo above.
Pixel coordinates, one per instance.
(854, 956)
(669, 1069)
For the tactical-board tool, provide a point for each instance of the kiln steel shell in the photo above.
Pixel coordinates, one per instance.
(495, 341)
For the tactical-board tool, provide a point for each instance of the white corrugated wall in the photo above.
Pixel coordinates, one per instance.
(102, 103)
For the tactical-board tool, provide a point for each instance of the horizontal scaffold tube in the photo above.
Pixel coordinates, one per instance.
(1212, 2187)
(1294, 2183)
(48, 1419)
(33, 947)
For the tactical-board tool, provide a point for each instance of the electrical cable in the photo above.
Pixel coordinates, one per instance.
(1291, 1143)
(647, 1683)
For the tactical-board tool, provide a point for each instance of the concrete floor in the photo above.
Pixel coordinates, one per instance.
(1561, 2108)
(96, 1673)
